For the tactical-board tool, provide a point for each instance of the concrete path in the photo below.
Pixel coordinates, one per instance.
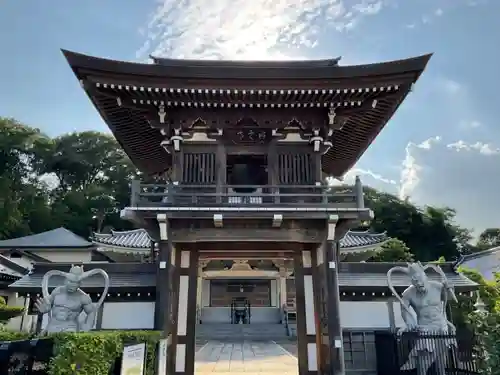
(250, 358)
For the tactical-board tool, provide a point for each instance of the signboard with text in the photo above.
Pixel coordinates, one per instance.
(133, 360)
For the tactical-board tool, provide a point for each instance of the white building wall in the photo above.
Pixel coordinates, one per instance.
(274, 293)
(365, 314)
(398, 320)
(205, 293)
(128, 315)
(353, 315)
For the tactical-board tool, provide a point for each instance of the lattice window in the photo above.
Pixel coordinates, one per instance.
(295, 169)
(199, 169)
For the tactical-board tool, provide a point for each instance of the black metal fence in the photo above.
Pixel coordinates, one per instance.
(425, 354)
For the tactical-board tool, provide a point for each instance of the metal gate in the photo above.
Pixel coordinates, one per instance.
(437, 353)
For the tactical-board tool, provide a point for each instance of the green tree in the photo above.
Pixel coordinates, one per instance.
(429, 232)
(489, 238)
(93, 176)
(393, 250)
(23, 202)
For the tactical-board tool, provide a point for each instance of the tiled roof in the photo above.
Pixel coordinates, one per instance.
(121, 275)
(354, 239)
(52, 239)
(360, 276)
(139, 238)
(9, 267)
(486, 262)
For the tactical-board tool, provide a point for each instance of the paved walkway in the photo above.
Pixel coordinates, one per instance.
(248, 357)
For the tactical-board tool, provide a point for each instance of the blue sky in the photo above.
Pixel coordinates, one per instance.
(442, 147)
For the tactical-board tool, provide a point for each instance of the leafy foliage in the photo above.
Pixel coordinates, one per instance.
(429, 232)
(80, 181)
(92, 353)
(393, 250)
(484, 325)
(489, 238)
(488, 344)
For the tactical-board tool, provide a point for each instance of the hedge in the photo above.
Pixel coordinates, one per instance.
(92, 353)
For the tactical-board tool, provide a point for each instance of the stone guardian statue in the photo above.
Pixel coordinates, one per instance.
(66, 302)
(423, 309)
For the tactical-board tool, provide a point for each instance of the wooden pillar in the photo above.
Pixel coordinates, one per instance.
(310, 313)
(162, 304)
(186, 313)
(283, 294)
(163, 321)
(174, 304)
(177, 165)
(321, 311)
(199, 293)
(331, 257)
(306, 337)
(273, 169)
(221, 169)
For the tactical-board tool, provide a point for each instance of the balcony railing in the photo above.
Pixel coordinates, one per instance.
(176, 195)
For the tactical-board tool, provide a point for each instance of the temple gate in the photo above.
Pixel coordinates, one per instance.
(242, 151)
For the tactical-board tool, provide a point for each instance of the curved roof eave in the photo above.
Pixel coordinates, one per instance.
(289, 70)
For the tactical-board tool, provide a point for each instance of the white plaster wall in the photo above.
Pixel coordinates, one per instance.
(128, 315)
(205, 293)
(365, 314)
(398, 320)
(274, 293)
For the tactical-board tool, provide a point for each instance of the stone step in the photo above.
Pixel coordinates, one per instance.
(219, 331)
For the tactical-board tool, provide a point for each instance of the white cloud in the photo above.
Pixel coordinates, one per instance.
(482, 148)
(410, 167)
(242, 29)
(438, 12)
(452, 87)
(458, 174)
(368, 177)
(468, 125)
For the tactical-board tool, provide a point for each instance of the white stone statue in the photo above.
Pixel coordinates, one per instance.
(66, 302)
(423, 309)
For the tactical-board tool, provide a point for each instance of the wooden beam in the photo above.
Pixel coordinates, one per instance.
(228, 234)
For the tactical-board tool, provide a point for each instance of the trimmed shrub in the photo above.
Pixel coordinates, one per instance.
(92, 353)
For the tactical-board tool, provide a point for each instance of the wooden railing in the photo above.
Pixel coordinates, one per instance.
(175, 195)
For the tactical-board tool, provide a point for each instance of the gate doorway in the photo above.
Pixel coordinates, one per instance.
(308, 353)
